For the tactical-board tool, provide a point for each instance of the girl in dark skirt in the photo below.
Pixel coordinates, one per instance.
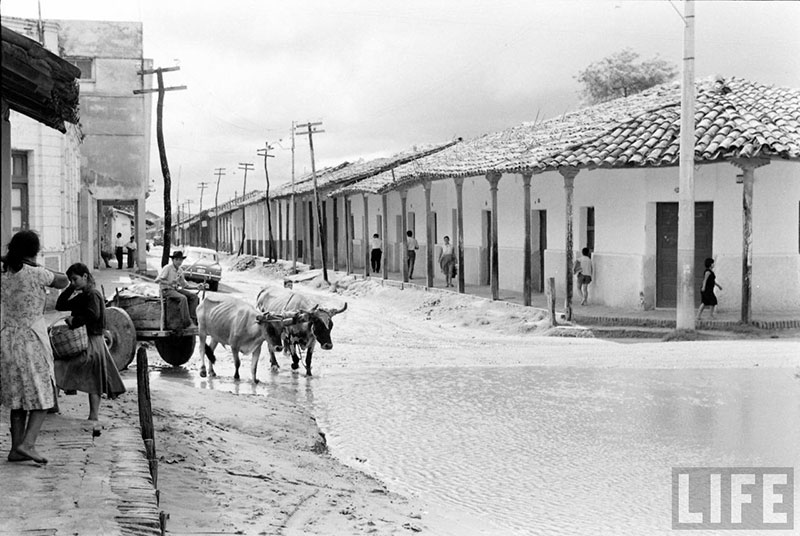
(93, 372)
(707, 296)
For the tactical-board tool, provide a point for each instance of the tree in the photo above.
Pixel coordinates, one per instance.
(620, 75)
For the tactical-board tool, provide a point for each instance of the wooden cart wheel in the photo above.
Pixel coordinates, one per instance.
(120, 336)
(176, 350)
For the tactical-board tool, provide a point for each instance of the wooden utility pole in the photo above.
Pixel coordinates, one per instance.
(162, 151)
(245, 167)
(685, 315)
(311, 129)
(294, 210)
(202, 186)
(219, 172)
(265, 153)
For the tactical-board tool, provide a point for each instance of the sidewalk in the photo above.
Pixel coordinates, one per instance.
(91, 486)
(598, 315)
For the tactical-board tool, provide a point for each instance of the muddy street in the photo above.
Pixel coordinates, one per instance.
(469, 420)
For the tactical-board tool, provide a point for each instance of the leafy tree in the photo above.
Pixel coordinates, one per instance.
(621, 74)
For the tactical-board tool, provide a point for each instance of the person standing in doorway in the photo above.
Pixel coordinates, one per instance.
(376, 252)
(131, 247)
(707, 296)
(27, 378)
(119, 244)
(447, 262)
(413, 246)
(584, 270)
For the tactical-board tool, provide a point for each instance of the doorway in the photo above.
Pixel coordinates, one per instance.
(667, 249)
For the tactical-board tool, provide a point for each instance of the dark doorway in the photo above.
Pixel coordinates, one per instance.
(486, 247)
(667, 249)
(538, 246)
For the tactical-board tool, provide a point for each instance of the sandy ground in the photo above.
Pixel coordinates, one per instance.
(240, 463)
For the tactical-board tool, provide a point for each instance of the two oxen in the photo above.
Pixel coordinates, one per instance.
(284, 319)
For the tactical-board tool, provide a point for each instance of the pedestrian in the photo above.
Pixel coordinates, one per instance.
(413, 246)
(376, 252)
(707, 296)
(447, 262)
(131, 247)
(105, 251)
(94, 371)
(27, 378)
(584, 269)
(174, 289)
(119, 243)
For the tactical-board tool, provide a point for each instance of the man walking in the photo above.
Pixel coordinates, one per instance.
(375, 254)
(413, 246)
(119, 243)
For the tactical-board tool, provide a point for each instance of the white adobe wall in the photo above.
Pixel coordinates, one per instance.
(53, 187)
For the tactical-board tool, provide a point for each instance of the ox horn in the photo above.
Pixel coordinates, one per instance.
(337, 311)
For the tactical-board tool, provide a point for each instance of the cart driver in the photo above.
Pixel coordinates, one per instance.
(174, 289)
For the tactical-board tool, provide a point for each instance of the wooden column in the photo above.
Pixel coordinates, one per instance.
(428, 235)
(335, 201)
(494, 178)
(384, 232)
(459, 183)
(404, 218)
(526, 247)
(280, 228)
(569, 186)
(365, 230)
(5, 178)
(310, 234)
(748, 168)
(348, 240)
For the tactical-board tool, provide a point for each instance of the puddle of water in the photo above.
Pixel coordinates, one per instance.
(558, 450)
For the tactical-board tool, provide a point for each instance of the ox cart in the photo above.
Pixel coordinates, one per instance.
(139, 313)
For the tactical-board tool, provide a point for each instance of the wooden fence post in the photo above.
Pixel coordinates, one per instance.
(146, 412)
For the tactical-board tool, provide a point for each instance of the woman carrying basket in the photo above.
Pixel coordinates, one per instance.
(26, 358)
(94, 371)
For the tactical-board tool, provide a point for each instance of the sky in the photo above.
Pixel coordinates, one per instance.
(384, 76)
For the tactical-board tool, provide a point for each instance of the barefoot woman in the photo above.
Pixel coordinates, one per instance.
(27, 378)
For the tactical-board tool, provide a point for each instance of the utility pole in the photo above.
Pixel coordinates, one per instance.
(162, 151)
(219, 173)
(311, 129)
(294, 209)
(202, 186)
(245, 167)
(265, 153)
(685, 315)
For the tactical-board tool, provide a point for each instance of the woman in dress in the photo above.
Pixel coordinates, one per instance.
(447, 262)
(27, 379)
(707, 296)
(93, 372)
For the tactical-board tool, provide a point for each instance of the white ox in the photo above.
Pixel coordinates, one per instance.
(233, 322)
(314, 323)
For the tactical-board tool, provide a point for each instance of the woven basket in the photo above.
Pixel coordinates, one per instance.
(68, 343)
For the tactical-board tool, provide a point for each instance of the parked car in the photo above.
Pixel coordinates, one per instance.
(202, 266)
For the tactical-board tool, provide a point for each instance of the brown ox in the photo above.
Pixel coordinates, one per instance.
(232, 322)
(314, 323)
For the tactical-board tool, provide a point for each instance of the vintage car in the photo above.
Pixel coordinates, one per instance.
(202, 266)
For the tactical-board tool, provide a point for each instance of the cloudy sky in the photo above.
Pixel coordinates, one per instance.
(385, 75)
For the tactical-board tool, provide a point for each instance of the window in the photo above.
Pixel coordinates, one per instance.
(86, 65)
(19, 191)
(590, 228)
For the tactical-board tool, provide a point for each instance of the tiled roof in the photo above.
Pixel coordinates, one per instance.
(734, 119)
(348, 173)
